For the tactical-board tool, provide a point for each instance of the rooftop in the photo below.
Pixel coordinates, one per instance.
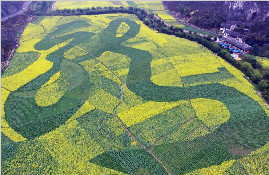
(245, 24)
(233, 33)
(236, 43)
(225, 25)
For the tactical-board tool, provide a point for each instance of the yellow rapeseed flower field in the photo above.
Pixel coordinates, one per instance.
(144, 111)
(39, 67)
(211, 112)
(103, 101)
(122, 29)
(72, 147)
(51, 93)
(214, 169)
(86, 107)
(74, 52)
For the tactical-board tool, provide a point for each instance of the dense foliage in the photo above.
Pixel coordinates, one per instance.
(209, 15)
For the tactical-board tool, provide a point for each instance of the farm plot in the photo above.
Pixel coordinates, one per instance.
(153, 6)
(164, 15)
(182, 108)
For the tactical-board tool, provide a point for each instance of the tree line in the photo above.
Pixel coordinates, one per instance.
(250, 67)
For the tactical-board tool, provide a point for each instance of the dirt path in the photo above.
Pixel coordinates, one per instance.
(163, 137)
(125, 127)
(121, 122)
(24, 9)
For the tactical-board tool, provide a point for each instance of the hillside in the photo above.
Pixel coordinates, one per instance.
(104, 94)
(248, 11)
(251, 18)
(8, 8)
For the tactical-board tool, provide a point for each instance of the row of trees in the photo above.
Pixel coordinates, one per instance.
(257, 73)
(251, 68)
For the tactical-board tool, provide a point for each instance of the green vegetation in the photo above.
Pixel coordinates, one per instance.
(20, 62)
(201, 152)
(192, 29)
(132, 3)
(129, 161)
(8, 147)
(263, 61)
(209, 77)
(75, 129)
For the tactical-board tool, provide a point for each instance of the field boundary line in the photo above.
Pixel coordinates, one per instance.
(126, 128)
(168, 134)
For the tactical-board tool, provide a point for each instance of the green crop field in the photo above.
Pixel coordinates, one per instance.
(104, 94)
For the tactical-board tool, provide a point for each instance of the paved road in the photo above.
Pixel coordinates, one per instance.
(24, 9)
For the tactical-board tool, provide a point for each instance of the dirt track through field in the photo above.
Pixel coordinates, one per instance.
(125, 127)
(121, 122)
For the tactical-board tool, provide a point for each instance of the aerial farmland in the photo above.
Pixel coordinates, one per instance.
(106, 93)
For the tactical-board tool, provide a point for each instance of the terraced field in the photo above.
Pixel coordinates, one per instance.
(104, 94)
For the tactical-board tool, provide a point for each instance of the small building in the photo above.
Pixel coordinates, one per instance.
(236, 43)
(240, 23)
(225, 26)
(232, 34)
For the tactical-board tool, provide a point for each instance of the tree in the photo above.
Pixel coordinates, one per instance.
(147, 21)
(256, 49)
(209, 37)
(265, 74)
(214, 47)
(158, 21)
(255, 76)
(246, 67)
(251, 59)
(138, 13)
(151, 15)
(265, 95)
(263, 85)
(225, 54)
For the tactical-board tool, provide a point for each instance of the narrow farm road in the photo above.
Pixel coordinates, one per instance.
(125, 127)
(121, 122)
(163, 137)
(24, 9)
